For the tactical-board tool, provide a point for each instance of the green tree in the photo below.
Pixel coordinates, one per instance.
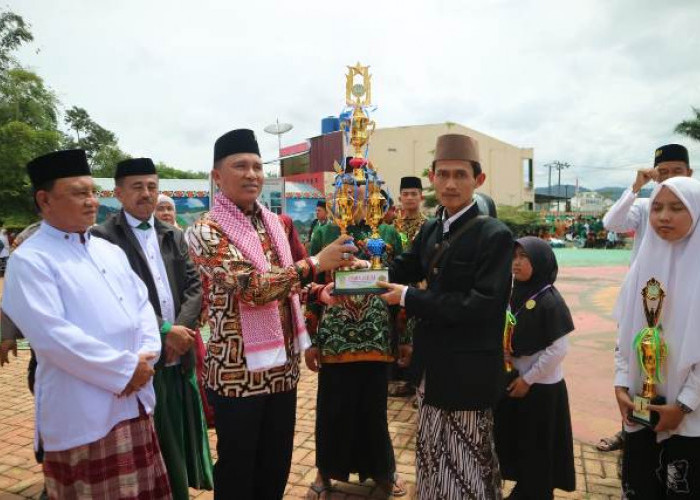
(690, 128)
(19, 143)
(24, 98)
(14, 32)
(89, 135)
(520, 220)
(106, 159)
(167, 172)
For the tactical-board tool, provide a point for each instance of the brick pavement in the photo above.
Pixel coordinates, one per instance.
(20, 476)
(590, 294)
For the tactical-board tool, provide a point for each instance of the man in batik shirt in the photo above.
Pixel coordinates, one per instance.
(250, 285)
(408, 222)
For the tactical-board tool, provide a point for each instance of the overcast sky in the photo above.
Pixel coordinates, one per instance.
(596, 83)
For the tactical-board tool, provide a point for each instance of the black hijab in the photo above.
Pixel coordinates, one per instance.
(550, 318)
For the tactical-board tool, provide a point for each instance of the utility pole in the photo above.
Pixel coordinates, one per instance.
(559, 166)
(549, 186)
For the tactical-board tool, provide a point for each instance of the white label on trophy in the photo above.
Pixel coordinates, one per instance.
(641, 409)
(359, 281)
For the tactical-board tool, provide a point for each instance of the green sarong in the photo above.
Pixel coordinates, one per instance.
(182, 431)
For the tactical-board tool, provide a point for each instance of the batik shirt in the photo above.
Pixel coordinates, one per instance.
(361, 328)
(408, 229)
(227, 278)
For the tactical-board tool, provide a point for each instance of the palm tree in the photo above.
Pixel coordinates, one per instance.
(690, 128)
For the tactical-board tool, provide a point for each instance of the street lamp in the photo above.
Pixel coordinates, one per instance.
(278, 129)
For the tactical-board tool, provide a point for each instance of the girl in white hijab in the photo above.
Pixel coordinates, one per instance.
(664, 461)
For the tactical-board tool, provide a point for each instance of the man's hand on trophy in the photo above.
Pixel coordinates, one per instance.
(393, 294)
(625, 403)
(337, 254)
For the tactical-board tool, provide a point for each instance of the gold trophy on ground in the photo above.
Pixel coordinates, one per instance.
(651, 352)
(349, 198)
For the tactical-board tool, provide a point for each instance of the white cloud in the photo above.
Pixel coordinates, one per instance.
(597, 84)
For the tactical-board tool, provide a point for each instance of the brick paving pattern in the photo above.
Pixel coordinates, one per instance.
(590, 293)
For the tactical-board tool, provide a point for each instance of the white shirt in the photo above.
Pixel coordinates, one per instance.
(87, 316)
(629, 213)
(148, 240)
(447, 221)
(545, 366)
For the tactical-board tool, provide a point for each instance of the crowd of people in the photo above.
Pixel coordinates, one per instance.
(125, 388)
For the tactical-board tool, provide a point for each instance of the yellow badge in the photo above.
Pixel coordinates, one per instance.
(530, 304)
(659, 152)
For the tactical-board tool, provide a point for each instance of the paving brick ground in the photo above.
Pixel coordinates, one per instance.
(590, 293)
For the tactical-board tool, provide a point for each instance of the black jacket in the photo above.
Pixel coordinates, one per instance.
(182, 275)
(458, 344)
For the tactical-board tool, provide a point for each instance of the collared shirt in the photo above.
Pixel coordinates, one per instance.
(87, 316)
(148, 240)
(447, 221)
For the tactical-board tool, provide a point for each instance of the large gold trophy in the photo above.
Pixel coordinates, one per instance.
(357, 185)
(651, 352)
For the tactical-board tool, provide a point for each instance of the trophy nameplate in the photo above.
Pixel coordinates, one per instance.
(359, 281)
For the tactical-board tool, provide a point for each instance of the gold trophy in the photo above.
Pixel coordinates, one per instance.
(358, 96)
(651, 352)
(349, 198)
(511, 372)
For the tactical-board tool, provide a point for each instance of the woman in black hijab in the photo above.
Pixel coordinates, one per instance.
(533, 425)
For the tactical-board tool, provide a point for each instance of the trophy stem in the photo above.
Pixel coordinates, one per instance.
(649, 388)
(376, 262)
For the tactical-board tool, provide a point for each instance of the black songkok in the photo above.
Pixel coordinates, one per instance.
(671, 152)
(135, 166)
(57, 165)
(321, 203)
(236, 141)
(411, 183)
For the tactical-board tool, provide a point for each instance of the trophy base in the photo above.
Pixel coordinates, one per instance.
(359, 281)
(642, 415)
(510, 376)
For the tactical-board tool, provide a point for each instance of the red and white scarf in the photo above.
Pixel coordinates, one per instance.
(261, 325)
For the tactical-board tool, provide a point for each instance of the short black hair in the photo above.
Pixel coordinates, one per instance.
(44, 186)
(476, 167)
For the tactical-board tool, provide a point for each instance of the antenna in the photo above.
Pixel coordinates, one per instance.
(278, 129)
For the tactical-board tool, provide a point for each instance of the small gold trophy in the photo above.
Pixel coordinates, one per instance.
(511, 372)
(651, 352)
(349, 198)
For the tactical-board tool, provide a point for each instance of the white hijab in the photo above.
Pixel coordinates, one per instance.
(677, 266)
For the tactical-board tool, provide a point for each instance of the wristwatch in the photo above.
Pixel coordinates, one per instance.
(684, 408)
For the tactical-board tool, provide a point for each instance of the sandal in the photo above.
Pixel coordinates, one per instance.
(316, 491)
(611, 443)
(397, 486)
